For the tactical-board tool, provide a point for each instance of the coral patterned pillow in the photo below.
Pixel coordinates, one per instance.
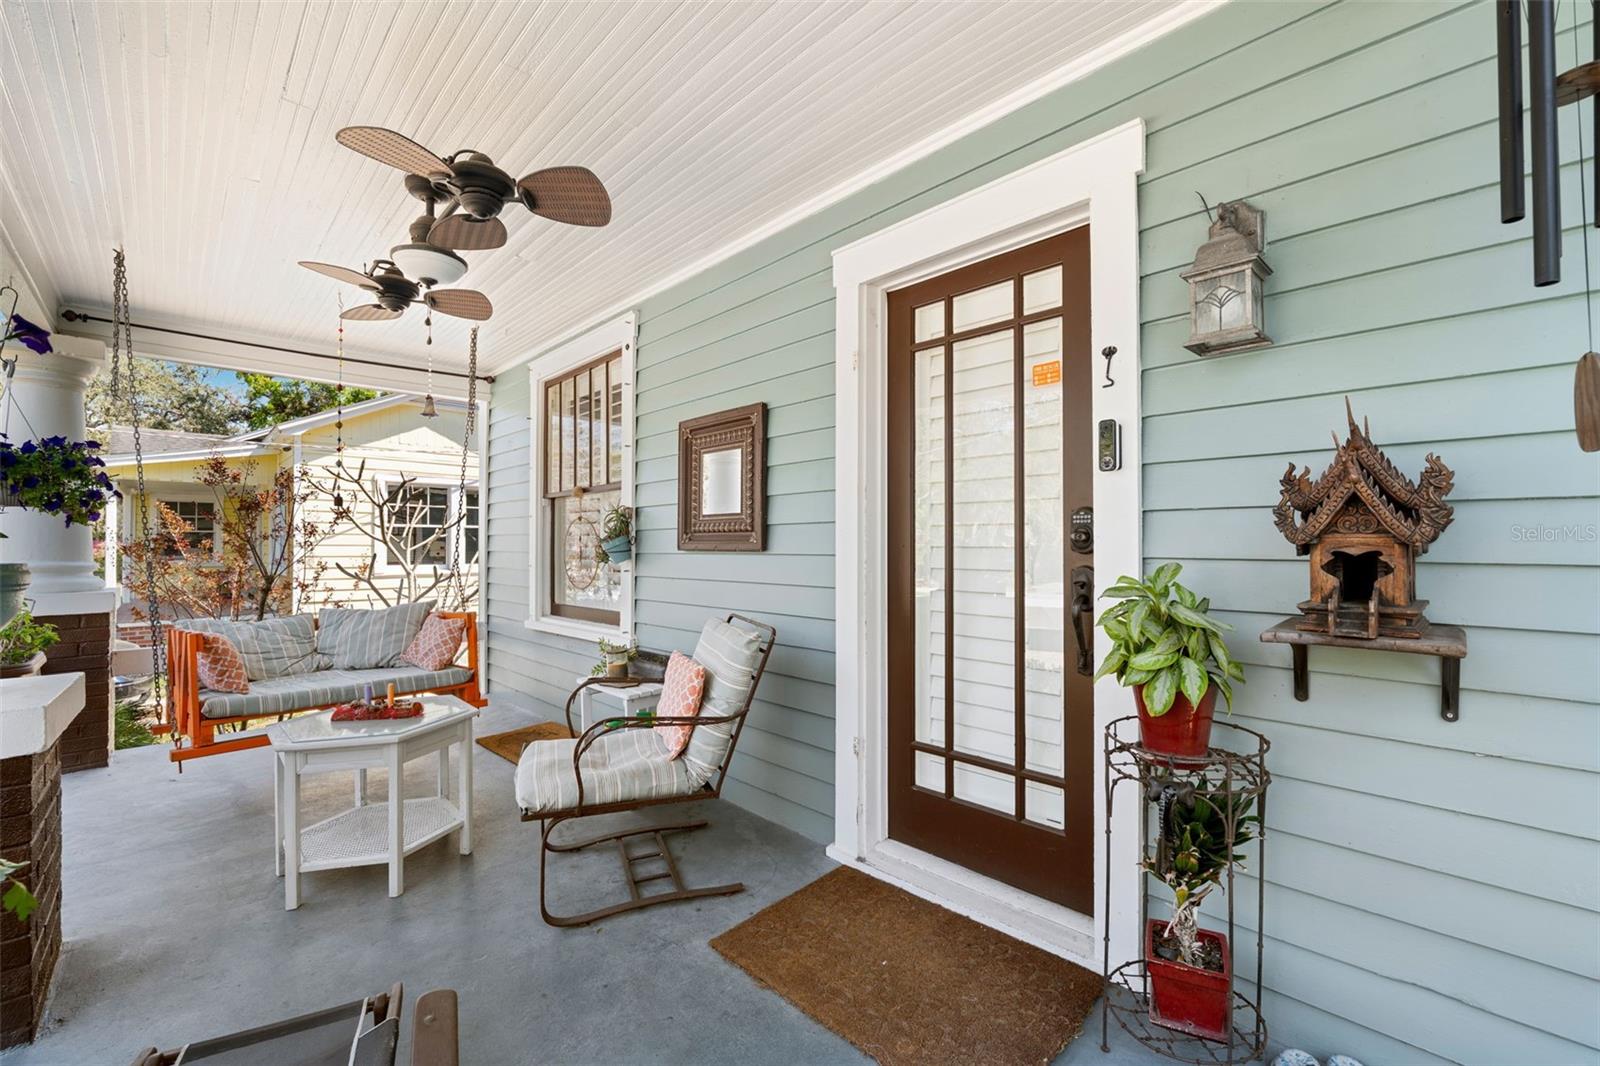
(220, 665)
(436, 643)
(681, 691)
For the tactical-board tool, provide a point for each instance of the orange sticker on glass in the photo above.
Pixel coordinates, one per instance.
(1047, 373)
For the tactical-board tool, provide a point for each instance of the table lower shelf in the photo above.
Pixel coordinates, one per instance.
(360, 835)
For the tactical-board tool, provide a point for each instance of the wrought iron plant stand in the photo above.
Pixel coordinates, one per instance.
(1238, 771)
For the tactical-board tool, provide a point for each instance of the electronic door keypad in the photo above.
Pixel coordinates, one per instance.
(1081, 535)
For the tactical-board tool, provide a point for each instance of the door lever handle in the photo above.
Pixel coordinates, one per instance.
(1082, 606)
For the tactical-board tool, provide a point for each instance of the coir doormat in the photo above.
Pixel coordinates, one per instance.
(909, 982)
(509, 745)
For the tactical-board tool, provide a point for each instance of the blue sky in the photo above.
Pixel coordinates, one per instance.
(223, 379)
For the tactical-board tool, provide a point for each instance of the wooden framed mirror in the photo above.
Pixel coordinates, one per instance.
(722, 481)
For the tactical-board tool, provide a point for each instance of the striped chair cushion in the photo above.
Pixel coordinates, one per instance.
(365, 640)
(622, 766)
(297, 692)
(272, 647)
(730, 654)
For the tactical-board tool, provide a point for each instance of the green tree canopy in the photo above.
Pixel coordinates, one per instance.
(171, 395)
(269, 400)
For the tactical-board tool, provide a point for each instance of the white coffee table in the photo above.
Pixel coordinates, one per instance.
(369, 834)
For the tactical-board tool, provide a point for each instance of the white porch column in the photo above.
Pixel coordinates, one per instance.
(49, 391)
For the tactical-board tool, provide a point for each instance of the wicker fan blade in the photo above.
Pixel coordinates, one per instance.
(462, 303)
(370, 313)
(339, 273)
(397, 150)
(567, 194)
(463, 233)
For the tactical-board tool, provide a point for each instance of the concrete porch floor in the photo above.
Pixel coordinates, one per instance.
(175, 928)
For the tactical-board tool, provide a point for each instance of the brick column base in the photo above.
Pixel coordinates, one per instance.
(85, 646)
(30, 831)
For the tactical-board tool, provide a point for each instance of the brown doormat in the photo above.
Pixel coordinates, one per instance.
(509, 745)
(909, 982)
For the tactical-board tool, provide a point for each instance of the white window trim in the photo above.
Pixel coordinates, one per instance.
(619, 333)
(457, 548)
(1095, 182)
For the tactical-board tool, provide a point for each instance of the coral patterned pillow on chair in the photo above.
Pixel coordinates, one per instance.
(436, 643)
(220, 665)
(681, 692)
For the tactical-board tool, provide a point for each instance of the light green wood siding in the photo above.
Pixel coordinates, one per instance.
(1432, 890)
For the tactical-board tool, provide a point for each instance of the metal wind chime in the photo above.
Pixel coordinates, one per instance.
(1547, 91)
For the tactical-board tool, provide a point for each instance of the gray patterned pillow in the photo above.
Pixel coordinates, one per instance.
(272, 647)
(368, 640)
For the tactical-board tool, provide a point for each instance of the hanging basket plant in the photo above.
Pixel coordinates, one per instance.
(55, 476)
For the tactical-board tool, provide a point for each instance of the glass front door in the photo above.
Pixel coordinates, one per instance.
(991, 715)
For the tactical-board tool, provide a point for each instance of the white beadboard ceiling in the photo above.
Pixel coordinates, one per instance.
(199, 136)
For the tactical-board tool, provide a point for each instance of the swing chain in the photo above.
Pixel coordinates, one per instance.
(466, 443)
(126, 388)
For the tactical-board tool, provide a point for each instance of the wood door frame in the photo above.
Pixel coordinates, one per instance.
(1094, 183)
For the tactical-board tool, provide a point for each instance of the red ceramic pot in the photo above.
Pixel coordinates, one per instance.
(1184, 732)
(1188, 998)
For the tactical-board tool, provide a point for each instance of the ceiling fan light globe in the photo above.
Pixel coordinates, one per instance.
(428, 263)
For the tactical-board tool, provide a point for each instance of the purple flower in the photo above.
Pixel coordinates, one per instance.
(30, 482)
(28, 447)
(92, 444)
(32, 337)
(94, 516)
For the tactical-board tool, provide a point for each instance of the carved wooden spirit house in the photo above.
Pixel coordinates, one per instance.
(1363, 524)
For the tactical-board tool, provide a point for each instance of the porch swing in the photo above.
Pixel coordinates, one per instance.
(198, 718)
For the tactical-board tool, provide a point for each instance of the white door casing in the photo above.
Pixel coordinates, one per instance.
(1096, 183)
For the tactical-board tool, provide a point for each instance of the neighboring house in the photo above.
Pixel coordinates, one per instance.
(389, 435)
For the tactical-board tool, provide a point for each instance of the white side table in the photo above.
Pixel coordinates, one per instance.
(370, 834)
(616, 702)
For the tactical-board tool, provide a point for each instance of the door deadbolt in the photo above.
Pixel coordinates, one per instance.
(1081, 535)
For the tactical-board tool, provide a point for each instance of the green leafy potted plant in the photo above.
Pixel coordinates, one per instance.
(22, 644)
(614, 659)
(16, 899)
(616, 545)
(1191, 969)
(1170, 651)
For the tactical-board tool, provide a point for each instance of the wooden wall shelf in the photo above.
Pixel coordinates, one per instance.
(1449, 643)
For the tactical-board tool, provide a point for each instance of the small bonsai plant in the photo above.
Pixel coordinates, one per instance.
(614, 658)
(56, 476)
(615, 528)
(1170, 651)
(21, 639)
(1190, 969)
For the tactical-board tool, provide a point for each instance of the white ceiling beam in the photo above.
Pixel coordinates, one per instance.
(204, 344)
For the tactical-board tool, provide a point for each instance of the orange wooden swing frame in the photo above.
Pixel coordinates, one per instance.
(183, 695)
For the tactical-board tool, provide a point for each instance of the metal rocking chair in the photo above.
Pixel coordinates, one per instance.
(766, 637)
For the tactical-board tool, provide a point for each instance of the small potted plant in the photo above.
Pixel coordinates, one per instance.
(1170, 651)
(1191, 969)
(22, 644)
(56, 476)
(614, 659)
(14, 581)
(615, 529)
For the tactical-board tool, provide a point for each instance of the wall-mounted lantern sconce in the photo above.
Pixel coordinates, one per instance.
(1227, 312)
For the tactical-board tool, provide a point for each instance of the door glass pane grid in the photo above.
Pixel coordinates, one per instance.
(981, 673)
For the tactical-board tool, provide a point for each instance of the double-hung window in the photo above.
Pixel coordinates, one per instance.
(582, 471)
(202, 534)
(421, 527)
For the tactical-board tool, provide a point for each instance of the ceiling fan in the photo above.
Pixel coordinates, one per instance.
(393, 292)
(474, 190)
